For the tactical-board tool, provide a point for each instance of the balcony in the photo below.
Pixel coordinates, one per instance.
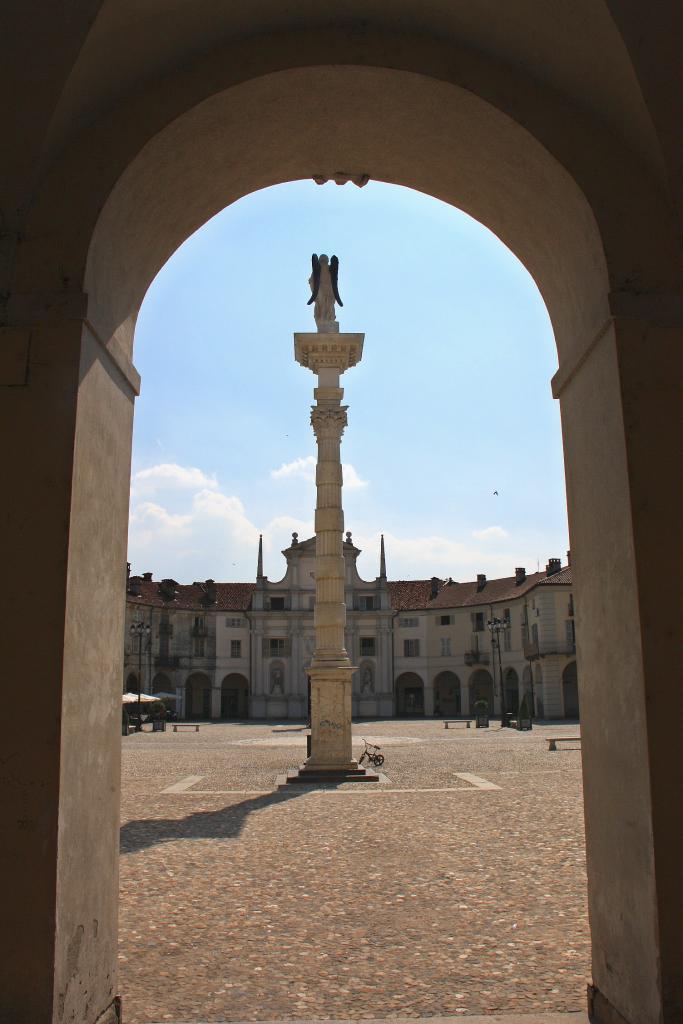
(476, 658)
(167, 661)
(533, 651)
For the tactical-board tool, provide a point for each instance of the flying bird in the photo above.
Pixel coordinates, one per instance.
(495, 492)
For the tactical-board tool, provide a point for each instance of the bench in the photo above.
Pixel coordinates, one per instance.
(185, 725)
(456, 722)
(554, 740)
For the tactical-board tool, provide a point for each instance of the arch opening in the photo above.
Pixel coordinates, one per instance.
(198, 697)
(481, 690)
(570, 690)
(235, 696)
(447, 695)
(410, 700)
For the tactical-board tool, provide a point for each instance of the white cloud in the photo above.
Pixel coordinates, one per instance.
(351, 478)
(191, 534)
(419, 557)
(210, 536)
(490, 533)
(170, 476)
(304, 469)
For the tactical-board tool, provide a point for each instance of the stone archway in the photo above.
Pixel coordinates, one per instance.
(235, 696)
(114, 189)
(162, 684)
(539, 694)
(481, 688)
(131, 683)
(410, 695)
(447, 696)
(511, 684)
(198, 696)
(570, 691)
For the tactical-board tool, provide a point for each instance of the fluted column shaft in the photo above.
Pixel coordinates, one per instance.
(328, 418)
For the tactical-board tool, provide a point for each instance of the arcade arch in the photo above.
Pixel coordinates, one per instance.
(131, 684)
(570, 691)
(447, 696)
(481, 688)
(162, 684)
(536, 165)
(198, 696)
(511, 684)
(235, 696)
(410, 694)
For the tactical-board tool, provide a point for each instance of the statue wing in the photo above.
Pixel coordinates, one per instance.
(315, 278)
(334, 274)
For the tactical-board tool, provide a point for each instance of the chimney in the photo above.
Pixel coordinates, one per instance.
(520, 575)
(134, 588)
(436, 582)
(209, 588)
(147, 577)
(259, 561)
(168, 589)
(481, 580)
(382, 559)
(554, 565)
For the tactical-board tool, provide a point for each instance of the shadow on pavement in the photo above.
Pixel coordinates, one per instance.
(226, 823)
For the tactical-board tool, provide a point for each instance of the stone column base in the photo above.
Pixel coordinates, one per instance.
(331, 719)
(311, 775)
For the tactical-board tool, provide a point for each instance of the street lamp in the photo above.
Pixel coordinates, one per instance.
(496, 627)
(139, 630)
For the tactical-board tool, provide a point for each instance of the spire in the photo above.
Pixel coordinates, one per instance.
(259, 566)
(382, 559)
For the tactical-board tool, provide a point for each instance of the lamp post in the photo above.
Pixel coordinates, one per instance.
(496, 627)
(139, 630)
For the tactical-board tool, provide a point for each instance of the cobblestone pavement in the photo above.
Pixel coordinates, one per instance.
(433, 893)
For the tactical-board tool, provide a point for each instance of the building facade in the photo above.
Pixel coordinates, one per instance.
(421, 647)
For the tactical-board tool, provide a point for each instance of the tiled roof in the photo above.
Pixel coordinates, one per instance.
(415, 594)
(230, 597)
(409, 594)
(406, 595)
(563, 576)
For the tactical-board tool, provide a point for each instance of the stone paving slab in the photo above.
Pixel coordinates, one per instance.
(572, 1017)
(431, 897)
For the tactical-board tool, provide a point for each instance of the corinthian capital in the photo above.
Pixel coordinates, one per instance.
(328, 422)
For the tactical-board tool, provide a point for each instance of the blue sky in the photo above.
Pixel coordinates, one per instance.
(450, 403)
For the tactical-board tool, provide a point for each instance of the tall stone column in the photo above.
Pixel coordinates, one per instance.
(328, 355)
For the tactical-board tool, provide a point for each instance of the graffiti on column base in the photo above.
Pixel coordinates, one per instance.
(327, 724)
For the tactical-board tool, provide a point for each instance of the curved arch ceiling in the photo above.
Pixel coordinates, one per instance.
(573, 49)
(402, 128)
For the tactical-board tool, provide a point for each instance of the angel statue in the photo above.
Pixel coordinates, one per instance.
(324, 292)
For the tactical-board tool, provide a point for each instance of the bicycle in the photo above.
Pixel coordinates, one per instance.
(376, 759)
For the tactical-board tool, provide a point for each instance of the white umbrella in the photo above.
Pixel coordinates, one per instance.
(132, 698)
(166, 695)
